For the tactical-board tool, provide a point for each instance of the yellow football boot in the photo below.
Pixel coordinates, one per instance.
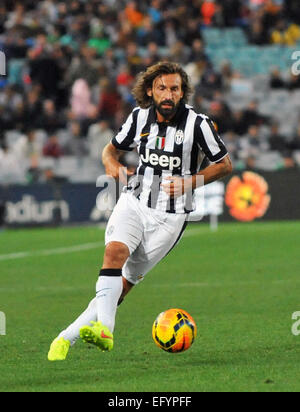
(98, 335)
(59, 349)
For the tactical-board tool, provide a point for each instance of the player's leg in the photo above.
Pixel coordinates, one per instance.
(127, 286)
(60, 346)
(111, 289)
(123, 235)
(101, 309)
(72, 332)
(109, 286)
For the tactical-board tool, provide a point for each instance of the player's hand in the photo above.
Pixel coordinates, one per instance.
(119, 172)
(177, 186)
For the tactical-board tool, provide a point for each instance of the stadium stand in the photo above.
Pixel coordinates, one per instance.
(71, 66)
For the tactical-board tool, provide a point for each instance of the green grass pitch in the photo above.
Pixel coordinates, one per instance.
(241, 285)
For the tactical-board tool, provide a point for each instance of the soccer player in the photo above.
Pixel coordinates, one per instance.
(172, 142)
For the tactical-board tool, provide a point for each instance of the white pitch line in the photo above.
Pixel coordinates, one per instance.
(228, 284)
(50, 252)
(70, 249)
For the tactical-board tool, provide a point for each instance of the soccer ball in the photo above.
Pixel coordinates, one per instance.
(174, 330)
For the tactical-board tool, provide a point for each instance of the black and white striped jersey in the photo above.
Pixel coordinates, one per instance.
(166, 149)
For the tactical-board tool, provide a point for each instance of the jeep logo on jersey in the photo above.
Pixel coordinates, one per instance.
(179, 136)
(161, 160)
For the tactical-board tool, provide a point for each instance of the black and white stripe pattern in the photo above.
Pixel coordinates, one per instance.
(189, 139)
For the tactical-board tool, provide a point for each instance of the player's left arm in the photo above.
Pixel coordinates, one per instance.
(214, 148)
(212, 173)
(179, 185)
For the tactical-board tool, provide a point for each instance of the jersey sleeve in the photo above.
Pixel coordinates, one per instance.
(208, 139)
(124, 140)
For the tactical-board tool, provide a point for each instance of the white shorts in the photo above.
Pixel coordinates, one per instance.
(149, 234)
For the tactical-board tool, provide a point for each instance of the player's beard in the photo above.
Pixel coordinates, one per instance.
(167, 113)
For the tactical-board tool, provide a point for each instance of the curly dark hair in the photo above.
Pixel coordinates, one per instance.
(145, 80)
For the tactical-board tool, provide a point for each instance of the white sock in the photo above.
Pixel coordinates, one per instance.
(108, 292)
(72, 332)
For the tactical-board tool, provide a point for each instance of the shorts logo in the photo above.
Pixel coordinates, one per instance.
(110, 230)
(160, 160)
(179, 137)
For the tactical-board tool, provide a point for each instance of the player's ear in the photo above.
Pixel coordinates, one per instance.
(149, 92)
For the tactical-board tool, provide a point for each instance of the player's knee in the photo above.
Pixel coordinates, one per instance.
(115, 255)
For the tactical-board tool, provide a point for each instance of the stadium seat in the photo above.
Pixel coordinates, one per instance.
(87, 170)
(270, 161)
(67, 165)
(48, 163)
(294, 99)
(260, 85)
(296, 157)
(11, 136)
(287, 130)
(15, 71)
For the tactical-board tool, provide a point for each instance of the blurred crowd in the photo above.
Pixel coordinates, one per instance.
(71, 67)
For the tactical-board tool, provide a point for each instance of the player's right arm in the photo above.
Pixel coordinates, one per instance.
(122, 142)
(113, 167)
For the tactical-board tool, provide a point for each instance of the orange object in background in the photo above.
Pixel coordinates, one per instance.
(208, 10)
(134, 16)
(247, 197)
